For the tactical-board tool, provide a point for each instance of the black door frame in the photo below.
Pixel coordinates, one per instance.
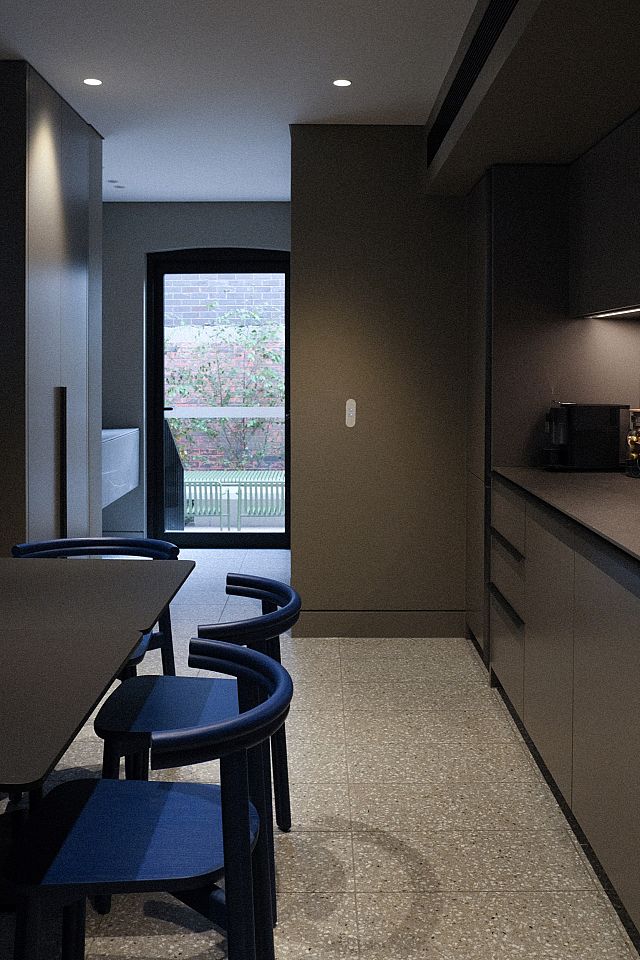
(198, 260)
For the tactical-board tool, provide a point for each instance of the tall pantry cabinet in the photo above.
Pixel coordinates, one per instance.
(50, 313)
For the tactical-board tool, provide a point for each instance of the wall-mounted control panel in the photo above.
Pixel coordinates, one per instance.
(350, 413)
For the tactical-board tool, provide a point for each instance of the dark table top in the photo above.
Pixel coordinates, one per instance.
(66, 629)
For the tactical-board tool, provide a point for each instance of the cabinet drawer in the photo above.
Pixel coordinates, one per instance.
(507, 514)
(507, 573)
(507, 648)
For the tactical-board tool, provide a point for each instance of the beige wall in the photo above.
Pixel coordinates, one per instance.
(377, 314)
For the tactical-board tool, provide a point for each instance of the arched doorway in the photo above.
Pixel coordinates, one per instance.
(218, 397)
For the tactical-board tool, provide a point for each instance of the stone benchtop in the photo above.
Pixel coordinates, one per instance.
(608, 504)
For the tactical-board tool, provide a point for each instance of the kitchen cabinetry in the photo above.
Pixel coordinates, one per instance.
(506, 605)
(548, 658)
(606, 224)
(507, 648)
(50, 301)
(565, 620)
(606, 758)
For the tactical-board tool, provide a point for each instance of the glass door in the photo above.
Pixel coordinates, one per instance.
(217, 414)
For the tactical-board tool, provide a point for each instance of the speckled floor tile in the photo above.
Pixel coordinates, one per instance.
(82, 759)
(449, 722)
(311, 668)
(314, 862)
(419, 696)
(320, 806)
(318, 926)
(208, 772)
(426, 760)
(154, 927)
(544, 926)
(442, 648)
(326, 648)
(317, 760)
(268, 563)
(322, 726)
(401, 808)
(459, 668)
(317, 697)
(469, 861)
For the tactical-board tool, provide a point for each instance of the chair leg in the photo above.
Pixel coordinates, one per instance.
(136, 765)
(238, 883)
(129, 670)
(279, 750)
(268, 826)
(101, 903)
(28, 934)
(73, 930)
(110, 762)
(261, 868)
(166, 645)
(35, 797)
(281, 779)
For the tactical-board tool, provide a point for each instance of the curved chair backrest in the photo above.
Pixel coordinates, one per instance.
(244, 730)
(285, 606)
(96, 547)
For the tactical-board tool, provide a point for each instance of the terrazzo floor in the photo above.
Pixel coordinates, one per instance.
(422, 829)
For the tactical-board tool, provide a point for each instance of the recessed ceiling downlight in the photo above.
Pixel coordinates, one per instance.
(92, 82)
(342, 83)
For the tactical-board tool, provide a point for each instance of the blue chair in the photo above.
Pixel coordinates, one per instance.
(142, 547)
(97, 838)
(143, 708)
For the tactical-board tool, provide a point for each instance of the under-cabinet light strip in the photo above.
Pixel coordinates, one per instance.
(614, 313)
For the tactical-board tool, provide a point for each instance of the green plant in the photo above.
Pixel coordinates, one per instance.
(236, 361)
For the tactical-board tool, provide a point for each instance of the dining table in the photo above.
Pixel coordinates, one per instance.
(67, 627)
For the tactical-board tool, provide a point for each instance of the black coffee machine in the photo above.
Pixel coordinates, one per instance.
(586, 436)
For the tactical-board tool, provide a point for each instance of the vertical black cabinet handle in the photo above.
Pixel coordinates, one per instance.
(62, 460)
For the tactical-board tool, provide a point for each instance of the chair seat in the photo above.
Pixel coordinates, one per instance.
(145, 705)
(106, 834)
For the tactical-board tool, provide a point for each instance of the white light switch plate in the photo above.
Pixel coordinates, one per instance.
(350, 413)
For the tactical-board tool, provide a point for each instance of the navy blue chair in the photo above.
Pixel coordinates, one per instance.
(141, 547)
(92, 838)
(144, 708)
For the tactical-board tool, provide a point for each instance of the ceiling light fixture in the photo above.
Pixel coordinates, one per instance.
(92, 82)
(615, 313)
(342, 83)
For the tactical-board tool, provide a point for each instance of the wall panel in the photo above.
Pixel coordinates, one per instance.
(377, 314)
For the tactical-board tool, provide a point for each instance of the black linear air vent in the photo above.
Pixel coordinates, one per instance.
(482, 43)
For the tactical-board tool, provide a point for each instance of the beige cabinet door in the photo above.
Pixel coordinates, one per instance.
(548, 658)
(606, 756)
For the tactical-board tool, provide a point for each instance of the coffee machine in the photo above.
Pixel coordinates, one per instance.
(586, 436)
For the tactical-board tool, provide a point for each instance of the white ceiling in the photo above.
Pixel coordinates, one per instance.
(197, 95)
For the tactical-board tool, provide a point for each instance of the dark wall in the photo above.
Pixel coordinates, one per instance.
(50, 286)
(606, 223)
(541, 353)
(13, 183)
(478, 411)
(377, 314)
